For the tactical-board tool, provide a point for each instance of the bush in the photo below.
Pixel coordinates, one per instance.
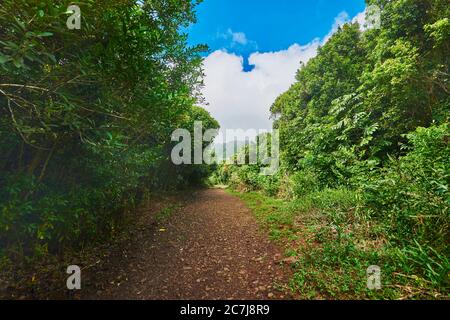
(413, 190)
(411, 195)
(83, 131)
(304, 183)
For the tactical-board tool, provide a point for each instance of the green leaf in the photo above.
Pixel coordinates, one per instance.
(4, 59)
(18, 62)
(51, 56)
(45, 34)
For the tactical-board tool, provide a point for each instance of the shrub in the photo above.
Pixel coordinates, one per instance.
(411, 195)
(304, 182)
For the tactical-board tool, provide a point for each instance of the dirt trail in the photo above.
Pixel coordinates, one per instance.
(212, 248)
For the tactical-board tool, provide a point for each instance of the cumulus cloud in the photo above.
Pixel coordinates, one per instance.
(242, 100)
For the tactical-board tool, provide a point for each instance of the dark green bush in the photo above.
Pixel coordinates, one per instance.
(412, 192)
(86, 116)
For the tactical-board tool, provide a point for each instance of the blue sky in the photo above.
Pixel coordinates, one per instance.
(256, 47)
(269, 25)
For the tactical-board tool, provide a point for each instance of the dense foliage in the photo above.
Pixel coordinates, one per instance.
(369, 114)
(87, 115)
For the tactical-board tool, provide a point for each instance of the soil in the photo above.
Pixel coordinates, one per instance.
(210, 248)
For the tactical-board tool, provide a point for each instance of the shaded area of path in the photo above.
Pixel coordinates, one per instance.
(211, 248)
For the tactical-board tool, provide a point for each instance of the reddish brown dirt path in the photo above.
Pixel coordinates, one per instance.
(212, 248)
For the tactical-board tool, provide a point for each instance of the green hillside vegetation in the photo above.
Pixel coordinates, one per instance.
(86, 117)
(365, 160)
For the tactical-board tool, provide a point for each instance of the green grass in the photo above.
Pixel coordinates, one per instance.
(335, 240)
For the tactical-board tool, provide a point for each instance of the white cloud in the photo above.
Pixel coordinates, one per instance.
(236, 38)
(242, 100)
(370, 18)
(361, 19)
(339, 21)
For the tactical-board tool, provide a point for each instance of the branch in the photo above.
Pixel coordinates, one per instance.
(105, 113)
(23, 86)
(16, 125)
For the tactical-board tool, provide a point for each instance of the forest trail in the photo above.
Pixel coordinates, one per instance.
(211, 248)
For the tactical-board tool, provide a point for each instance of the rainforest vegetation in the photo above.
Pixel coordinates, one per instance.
(86, 118)
(365, 158)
